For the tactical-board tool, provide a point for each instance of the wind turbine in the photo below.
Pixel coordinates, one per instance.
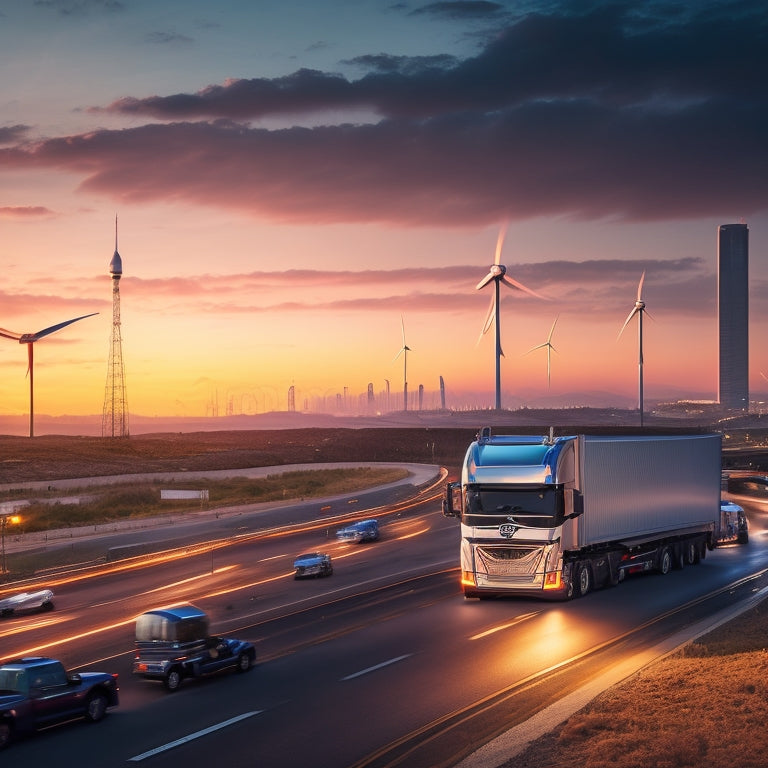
(550, 349)
(29, 339)
(404, 350)
(498, 274)
(639, 310)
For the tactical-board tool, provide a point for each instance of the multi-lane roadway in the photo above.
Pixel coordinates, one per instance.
(382, 664)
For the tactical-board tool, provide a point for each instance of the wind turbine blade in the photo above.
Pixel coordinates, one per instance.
(500, 244)
(538, 346)
(626, 322)
(491, 316)
(46, 331)
(552, 330)
(402, 323)
(640, 287)
(512, 283)
(10, 334)
(398, 354)
(487, 279)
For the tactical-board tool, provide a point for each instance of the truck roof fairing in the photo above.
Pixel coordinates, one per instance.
(505, 458)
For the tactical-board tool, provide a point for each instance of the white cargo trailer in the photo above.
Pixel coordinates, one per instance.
(557, 517)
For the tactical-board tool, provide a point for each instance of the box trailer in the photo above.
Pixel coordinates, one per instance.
(557, 517)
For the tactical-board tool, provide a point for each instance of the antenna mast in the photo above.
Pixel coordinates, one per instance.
(114, 421)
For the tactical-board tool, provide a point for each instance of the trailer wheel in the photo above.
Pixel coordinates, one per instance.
(691, 553)
(583, 579)
(665, 561)
(678, 559)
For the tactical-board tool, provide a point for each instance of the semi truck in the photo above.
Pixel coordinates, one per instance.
(555, 517)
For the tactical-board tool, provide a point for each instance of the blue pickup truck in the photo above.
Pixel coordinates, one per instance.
(36, 692)
(174, 643)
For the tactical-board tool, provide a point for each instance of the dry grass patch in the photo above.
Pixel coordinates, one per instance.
(705, 706)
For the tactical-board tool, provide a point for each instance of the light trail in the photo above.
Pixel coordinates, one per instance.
(205, 575)
(502, 627)
(36, 625)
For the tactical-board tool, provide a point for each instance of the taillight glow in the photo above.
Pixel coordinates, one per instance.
(553, 580)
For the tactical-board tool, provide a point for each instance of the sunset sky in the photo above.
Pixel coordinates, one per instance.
(294, 180)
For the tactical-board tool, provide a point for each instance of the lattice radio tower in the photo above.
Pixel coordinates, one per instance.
(114, 421)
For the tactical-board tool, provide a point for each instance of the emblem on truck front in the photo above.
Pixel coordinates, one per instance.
(507, 530)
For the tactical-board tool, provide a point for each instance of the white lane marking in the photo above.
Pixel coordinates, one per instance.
(374, 668)
(192, 737)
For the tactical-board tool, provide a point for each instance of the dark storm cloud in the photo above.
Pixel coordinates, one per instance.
(613, 114)
(467, 9)
(10, 134)
(607, 57)
(79, 7)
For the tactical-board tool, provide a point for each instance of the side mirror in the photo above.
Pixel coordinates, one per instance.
(452, 500)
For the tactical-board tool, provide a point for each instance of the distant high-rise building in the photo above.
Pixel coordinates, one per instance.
(114, 420)
(733, 315)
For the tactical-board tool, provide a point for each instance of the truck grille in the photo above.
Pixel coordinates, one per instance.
(509, 561)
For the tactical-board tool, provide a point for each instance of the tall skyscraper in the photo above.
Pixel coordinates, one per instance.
(733, 315)
(114, 420)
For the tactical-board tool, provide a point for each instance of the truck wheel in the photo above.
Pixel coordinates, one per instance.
(97, 707)
(5, 733)
(172, 680)
(665, 561)
(583, 579)
(243, 662)
(691, 553)
(743, 537)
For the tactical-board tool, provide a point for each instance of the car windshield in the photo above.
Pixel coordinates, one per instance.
(539, 506)
(14, 680)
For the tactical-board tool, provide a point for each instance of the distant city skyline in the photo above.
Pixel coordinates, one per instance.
(292, 179)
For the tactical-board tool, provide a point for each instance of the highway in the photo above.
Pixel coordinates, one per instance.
(382, 664)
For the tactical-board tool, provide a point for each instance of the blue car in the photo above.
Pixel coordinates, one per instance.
(312, 564)
(363, 530)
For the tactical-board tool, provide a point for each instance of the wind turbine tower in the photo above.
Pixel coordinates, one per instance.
(498, 275)
(114, 420)
(639, 310)
(404, 350)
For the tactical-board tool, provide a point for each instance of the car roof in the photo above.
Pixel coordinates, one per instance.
(178, 613)
(26, 662)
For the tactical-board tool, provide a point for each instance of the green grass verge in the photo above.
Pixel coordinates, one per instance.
(137, 500)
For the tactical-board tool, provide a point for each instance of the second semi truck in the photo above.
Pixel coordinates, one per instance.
(557, 517)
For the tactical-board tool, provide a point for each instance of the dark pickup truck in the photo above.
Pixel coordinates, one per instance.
(36, 692)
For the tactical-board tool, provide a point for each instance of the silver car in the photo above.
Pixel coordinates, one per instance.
(363, 530)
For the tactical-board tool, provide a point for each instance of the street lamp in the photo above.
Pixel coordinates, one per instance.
(5, 519)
